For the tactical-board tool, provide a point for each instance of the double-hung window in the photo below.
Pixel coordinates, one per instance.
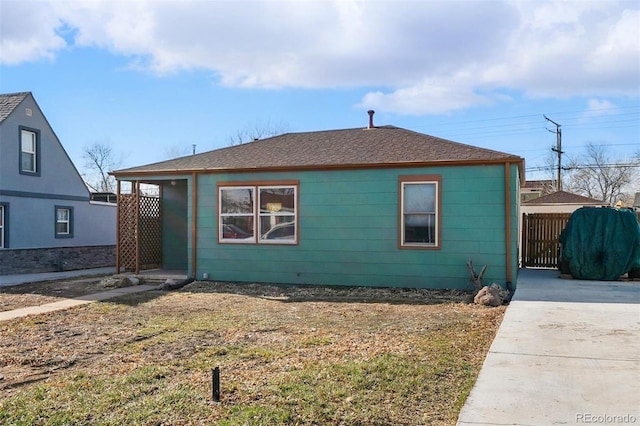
(29, 155)
(420, 211)
(258, 213)
(64, 222)
(277, 216)
(237, 210)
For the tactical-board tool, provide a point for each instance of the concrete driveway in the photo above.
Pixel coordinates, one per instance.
(567, 352)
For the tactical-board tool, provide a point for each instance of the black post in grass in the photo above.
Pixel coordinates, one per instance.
(215, 384)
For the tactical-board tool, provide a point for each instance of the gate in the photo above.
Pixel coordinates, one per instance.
(139, 232)
(540, 239)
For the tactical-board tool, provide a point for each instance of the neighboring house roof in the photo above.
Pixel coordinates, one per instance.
(362, 147)
(537, 183)
(563, 197)
(9, 102)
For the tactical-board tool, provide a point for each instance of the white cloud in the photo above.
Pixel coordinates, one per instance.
(431, 96)
(28, 33)
(574, 56)
(598, 107)
(421, 57)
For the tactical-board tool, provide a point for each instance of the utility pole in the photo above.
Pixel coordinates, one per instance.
(557, 149)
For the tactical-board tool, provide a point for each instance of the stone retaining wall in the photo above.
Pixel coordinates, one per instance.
(30, 261)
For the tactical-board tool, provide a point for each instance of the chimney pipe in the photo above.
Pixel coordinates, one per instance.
(371, 112)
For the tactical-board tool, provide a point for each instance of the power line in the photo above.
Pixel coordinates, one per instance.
(584, 166)
(627, 117)
(599, 166)
(578, 113)
(536, 116)
(533, 128)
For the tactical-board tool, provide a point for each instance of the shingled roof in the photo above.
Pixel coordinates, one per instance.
(563, 197)
(538, 183)
(360, 147)
(9, 102)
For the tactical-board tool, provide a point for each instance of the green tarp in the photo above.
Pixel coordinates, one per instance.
(601, 243)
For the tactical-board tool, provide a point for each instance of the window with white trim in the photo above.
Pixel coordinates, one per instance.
(271, 219)
(28, 152)
(237, 214)
(64, 222)
(419, 216)
(277, 214)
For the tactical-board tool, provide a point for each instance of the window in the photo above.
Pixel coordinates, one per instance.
(419, 211)
(29, 151)
(270, 219)
(237, 209)
(3, 225)
(64, 222)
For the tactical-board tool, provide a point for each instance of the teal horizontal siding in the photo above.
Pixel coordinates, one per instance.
(348, 231)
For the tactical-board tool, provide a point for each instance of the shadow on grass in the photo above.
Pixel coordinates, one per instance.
(333, 294)
(84, 288)
(135, 299)
(94, 289)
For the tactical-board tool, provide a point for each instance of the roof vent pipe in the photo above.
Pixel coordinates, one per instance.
(371, 112)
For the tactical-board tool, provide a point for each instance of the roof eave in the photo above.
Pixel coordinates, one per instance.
(123, 174)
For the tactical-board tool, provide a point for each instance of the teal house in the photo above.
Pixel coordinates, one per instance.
(371, 206)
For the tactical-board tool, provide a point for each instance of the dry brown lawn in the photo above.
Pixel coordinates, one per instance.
(287, 355)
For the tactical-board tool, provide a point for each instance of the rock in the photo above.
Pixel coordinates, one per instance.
(109, 282)
(169, 284)
(129, 281)
(503, 292)
(488, 296)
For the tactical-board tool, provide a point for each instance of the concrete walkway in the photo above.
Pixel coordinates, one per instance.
(9, 280)
(69, 303)
(567, 352)
(77, 301)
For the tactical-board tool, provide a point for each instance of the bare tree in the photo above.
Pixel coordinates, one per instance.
(175, 151)
(99, 161)
(597, 175)
(258, 130)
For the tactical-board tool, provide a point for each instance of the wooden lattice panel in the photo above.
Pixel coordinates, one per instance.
(127, 220)
(140, 232)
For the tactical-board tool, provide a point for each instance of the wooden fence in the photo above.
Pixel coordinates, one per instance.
(540, 239)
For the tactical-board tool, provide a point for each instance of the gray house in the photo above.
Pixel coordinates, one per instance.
(47, 221)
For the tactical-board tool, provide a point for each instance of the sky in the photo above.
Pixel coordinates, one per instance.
(153, 78)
